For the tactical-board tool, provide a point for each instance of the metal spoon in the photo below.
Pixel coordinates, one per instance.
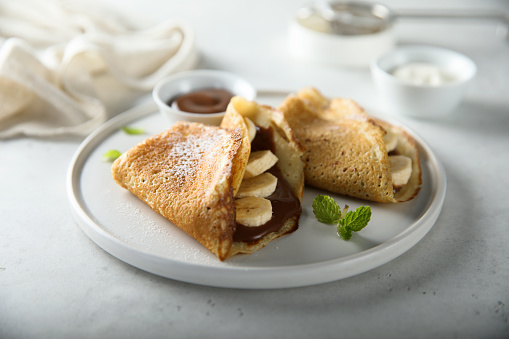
(357, 18)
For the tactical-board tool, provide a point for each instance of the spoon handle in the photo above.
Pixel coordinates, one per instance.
(453, 14)
(501, 17)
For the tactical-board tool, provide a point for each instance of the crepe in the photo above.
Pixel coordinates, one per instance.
(348, 152)
(184, 174)
(191, 173)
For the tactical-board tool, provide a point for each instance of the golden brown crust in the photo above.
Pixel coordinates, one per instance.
(345, 148)
(233, 120)
(184, 174)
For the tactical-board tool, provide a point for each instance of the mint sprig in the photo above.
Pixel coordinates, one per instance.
(326, 210)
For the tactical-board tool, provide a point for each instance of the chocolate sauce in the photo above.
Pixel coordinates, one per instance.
(285, 203)
(207, 100)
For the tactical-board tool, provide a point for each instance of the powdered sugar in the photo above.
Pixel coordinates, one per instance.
(189, 153)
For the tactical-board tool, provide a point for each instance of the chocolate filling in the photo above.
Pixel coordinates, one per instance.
(285, 203)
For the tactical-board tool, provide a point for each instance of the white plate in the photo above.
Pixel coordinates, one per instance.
(129, 230)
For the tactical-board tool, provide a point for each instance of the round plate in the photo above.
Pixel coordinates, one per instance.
(130, 230)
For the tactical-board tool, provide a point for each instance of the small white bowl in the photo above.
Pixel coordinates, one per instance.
(189, 81)
(405, 98)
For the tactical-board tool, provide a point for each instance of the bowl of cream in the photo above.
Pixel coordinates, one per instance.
(199, 95)
(422, 81)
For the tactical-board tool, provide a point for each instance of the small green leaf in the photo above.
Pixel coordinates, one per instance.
(354, 222)
(358, 219)
(344, 232)
(133, 130)
(326, 209)
(111, 155)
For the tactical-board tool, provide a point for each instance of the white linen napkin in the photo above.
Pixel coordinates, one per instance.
(61, 65)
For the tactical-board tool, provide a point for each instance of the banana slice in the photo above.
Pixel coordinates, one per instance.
(253, 211)
(259, 162)
(261, 186)
(391, 141)
(401, 169)
(251, 129)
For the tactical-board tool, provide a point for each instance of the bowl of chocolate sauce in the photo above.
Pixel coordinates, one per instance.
(199, 95)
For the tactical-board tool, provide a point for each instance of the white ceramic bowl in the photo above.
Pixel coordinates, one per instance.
(405, 98)
(188, 81)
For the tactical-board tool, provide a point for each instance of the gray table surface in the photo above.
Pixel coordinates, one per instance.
(55, 282)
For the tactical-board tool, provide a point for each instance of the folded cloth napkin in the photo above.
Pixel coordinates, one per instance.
(60, 65)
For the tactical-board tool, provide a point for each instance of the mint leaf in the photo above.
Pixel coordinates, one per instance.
(132, 130)
(326, 209)
(111, 155)
(357, 220)
(354, 221)
(345, 233)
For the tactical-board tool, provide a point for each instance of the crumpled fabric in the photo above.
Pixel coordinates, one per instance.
(61, 64)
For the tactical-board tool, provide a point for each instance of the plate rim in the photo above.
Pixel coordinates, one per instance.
(251, 277)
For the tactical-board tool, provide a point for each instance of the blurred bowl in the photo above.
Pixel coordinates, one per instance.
(422, 81)
(314, 37)
(182, 83)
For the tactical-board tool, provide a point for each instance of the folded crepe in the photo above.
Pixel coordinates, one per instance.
(350, 153)
(192, 172)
